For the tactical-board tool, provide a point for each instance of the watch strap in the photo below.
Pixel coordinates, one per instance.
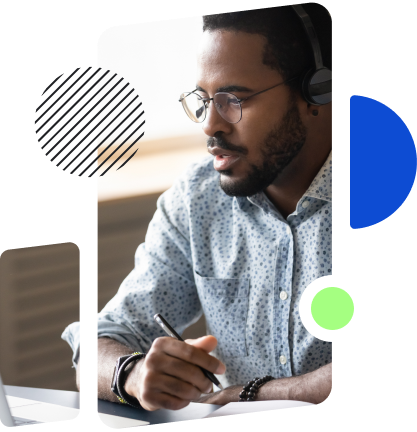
(121, 394)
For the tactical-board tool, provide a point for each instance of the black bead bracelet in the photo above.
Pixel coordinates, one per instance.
(249, 390)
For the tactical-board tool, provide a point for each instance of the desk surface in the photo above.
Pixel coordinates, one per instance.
(57, 397)
(193, 411)
(72, 400)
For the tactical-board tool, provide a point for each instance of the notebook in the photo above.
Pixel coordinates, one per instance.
(255, 406)
(15, 411)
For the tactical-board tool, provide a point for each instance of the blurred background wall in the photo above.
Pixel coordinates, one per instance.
(39, 297)
(159, 60)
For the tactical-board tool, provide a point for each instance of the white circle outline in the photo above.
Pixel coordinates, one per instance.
(359, 312)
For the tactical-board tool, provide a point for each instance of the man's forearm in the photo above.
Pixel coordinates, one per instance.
(312, 387)
(109, 351)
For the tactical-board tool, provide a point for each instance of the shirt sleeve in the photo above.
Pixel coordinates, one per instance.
(72, 335)
(161, 282)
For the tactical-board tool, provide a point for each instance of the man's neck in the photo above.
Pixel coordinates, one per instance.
(285, 199)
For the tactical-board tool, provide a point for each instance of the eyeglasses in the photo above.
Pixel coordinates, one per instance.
(227, 104)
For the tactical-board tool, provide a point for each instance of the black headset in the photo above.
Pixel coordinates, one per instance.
(316, 84)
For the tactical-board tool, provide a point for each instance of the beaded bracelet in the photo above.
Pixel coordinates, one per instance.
(249, 390)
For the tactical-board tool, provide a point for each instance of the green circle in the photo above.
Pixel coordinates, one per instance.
(332, 308)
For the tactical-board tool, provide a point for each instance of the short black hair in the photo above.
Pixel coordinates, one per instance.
(287, 49)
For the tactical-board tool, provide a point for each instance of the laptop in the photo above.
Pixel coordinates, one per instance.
(16, 411)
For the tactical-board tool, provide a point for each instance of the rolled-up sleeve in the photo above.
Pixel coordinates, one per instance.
(161, 282)
(72, 335)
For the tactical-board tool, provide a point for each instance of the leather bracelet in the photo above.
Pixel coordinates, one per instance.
(123, 396)
(249, 390)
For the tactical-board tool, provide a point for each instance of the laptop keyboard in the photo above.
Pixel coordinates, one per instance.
(18, 421)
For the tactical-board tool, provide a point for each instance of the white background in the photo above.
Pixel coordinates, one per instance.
(163, 55)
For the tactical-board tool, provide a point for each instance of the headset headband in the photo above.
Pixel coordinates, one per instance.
(317, 83)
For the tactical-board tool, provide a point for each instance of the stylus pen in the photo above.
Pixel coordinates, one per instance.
(171, 332)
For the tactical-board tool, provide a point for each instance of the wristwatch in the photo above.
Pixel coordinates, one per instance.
(119, 378)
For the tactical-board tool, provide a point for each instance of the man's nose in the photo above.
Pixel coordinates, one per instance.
(214, 122)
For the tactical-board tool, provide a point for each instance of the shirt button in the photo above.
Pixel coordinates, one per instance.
(288, 229)
(283, 359)
(283, 295)
(305, 204)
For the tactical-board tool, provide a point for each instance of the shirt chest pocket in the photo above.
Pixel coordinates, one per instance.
(225, 303)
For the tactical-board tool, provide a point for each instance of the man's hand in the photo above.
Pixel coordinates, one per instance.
(313, 387)
(170, 376)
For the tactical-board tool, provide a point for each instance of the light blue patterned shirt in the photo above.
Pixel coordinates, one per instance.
(238, 261)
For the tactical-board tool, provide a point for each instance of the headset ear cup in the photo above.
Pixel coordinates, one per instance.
(317, 86)
(305, 86)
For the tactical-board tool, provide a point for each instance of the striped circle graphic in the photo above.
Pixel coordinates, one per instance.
(90, 121)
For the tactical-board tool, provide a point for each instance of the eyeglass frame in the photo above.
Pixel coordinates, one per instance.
(205, 100)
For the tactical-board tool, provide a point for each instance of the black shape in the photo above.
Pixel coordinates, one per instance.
(50, 85)
(126, 161)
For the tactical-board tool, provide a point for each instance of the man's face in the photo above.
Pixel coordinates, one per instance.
(250, 154)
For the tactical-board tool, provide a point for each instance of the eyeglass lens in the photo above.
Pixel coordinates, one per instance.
(226, 104)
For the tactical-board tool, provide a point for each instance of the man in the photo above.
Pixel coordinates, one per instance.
(238, 238)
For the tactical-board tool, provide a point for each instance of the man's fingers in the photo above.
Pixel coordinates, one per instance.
(200, 358)
(206, 343)
(171, 376)
(188, 352)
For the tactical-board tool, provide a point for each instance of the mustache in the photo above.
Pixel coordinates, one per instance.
(219, 141)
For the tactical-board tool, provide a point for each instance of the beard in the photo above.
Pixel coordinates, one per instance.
(278, 149)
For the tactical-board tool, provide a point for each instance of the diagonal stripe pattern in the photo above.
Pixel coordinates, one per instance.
(89, 122)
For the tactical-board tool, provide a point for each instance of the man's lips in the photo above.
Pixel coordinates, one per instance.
(223, 159)
(217, 151)
(223, 162)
